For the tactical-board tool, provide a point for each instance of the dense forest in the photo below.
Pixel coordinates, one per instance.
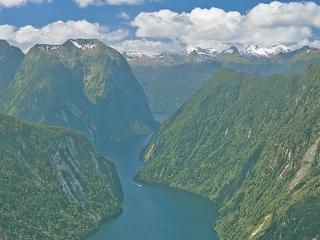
(251, 145)
(53, 185)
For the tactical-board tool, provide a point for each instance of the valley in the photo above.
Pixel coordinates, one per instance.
(71, 99)
(235, 156)
(154, 211)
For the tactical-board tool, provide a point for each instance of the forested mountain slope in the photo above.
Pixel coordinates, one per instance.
(251, 144)
(10, 59)
(53, 185)
(83, 85)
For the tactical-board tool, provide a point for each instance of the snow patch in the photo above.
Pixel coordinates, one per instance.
(84, 46)
(77, 45)
(47, 48)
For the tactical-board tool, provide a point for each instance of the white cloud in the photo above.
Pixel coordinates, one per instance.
(277, 14)
(312, 43)
(86, 3)
(124, 16)
(58, 32)
(265, 24)
(294, 24)
(18, 3)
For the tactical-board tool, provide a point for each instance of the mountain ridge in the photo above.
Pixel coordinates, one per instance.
(80, 84)
(204, 54)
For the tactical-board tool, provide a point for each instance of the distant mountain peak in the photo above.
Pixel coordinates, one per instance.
(275, 50)
(206, 54)
(135, 54)
(201, 50)
(201, 53)
(145, 59)
(232, 49)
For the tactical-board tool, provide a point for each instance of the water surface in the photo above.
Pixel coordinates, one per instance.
(154, 212)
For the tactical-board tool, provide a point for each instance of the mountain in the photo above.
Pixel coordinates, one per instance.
(141, 59)
(203, 54)
(10, 59)
(170, 79)
(83, 85)
(251, 144)
(53, 184)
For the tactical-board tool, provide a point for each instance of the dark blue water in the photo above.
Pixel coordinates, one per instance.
(154, 212)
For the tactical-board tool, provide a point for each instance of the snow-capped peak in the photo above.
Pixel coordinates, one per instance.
(267, 52)
(83, 46)
(135, 54)
(143, 58)
(204, 52)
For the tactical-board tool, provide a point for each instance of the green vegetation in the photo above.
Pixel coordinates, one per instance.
(83, 85)
(10, 59)
(250, 144)
(52, 183)
(170, 83)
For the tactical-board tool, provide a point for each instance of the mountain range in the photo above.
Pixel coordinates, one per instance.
(203, 54)
(244, 133)
(170, 79)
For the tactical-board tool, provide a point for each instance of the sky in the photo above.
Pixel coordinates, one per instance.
(153, 26)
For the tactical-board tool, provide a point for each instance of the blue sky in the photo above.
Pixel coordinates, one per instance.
(145, 26)
(42, 14)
